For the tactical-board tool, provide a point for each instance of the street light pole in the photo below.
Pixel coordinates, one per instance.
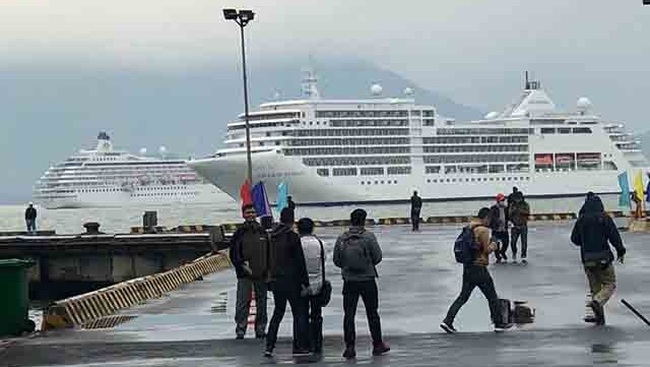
(242, 17)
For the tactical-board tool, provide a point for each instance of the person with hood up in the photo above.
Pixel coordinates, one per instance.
(288, 280)
(357, 253)
(498, 223)
(593, 232)
(518, 212)
(249, 254)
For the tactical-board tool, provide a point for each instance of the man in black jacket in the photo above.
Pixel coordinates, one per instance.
(289, 278)
(416, 207)
(30, 218)
(593, 232)
(249, 254)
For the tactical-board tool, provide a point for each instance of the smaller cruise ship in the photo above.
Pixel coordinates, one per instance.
(105, 177)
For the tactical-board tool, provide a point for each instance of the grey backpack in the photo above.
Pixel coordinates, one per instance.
(355, 255)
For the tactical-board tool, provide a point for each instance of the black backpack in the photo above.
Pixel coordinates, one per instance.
(465, 247)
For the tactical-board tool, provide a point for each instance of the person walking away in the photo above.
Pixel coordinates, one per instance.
(357, 253)
(314, 252)
(30, 218)
(498, 223)
(289, 278)
(518, 214)
(476, 274)
(416, 206)
(249, 254)
(593, 232)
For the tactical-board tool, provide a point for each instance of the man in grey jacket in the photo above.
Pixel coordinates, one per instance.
(357, 253)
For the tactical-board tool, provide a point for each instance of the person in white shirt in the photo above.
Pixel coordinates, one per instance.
(314, 253)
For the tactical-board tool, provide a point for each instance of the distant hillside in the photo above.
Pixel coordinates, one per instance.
(49, 113)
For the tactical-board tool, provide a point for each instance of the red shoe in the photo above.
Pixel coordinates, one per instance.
(380, 348)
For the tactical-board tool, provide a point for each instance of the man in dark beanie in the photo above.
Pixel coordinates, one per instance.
(289, 277)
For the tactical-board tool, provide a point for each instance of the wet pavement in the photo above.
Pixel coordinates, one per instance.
(418, 281)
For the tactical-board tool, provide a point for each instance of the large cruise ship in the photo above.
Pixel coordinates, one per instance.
(381, 149)
(105, 177)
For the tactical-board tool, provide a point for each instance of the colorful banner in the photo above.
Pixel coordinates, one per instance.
(638, 187)
(623, 183)
(283, 192)
(261, 200)
(245, 193)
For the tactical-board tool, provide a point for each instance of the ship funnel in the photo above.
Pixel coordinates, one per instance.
(104, 142)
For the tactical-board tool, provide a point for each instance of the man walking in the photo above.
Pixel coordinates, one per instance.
(289, 279)
(498, 223)
(357, 253)
(593, 232)
(314, 252)
(416, 206)
(518, 213)
(475, 274)
(249, 254)
(30, 218)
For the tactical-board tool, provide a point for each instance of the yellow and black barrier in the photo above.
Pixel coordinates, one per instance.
(92, 310)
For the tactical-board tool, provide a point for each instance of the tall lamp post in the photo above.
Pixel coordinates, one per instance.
(242, 17)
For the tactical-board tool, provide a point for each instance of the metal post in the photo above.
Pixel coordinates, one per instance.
(247, 124)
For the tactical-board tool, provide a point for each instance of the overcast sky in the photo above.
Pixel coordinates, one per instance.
(472, 51)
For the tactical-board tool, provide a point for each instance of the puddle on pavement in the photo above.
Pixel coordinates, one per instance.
(221, 305)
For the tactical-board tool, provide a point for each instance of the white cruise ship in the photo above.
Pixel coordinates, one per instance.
(105, 177)
(381, 149)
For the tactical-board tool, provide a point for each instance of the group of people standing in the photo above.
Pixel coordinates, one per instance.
(291, 264)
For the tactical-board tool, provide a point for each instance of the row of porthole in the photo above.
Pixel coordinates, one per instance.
(479, 179)
(163, 194)
(382, 182)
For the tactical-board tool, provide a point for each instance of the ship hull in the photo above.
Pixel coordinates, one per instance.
(307, 187)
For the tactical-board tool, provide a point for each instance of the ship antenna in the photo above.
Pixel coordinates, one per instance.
(309, 84)
(527, 82)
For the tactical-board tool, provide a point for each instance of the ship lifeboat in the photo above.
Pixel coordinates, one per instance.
(543, 159)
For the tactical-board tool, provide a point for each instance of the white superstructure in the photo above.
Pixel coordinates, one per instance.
(106, 177)
(381, 149)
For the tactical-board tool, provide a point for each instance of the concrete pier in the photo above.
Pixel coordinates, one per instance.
(418, 281)
(67, 265)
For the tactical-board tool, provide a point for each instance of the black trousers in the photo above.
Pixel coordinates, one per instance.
(475, 276)
(315, 326)
(299, 309)
(501, 236)
(516, 232)
(368, 292)
(415, 219)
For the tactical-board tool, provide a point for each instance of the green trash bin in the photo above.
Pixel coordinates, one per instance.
(14, 297)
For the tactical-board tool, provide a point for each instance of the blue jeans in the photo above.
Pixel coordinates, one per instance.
(31, 225)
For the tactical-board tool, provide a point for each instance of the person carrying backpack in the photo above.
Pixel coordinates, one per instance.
(472, 249)
(357, 253)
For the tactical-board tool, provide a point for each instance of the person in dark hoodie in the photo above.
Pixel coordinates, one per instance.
(593, 232)
(357, 253)
(289, 278)
(249, 254)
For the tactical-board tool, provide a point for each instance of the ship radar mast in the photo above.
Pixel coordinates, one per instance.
(310, 84)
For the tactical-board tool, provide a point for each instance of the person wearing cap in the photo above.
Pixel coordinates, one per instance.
(30, 218)
(498, 223)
